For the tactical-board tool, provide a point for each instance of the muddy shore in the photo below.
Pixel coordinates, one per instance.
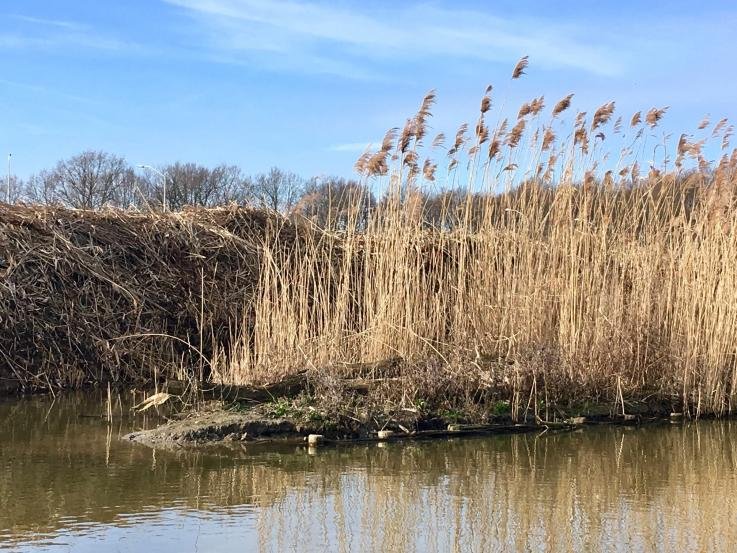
(216, 424)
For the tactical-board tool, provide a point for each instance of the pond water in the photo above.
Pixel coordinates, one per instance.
(68, 483)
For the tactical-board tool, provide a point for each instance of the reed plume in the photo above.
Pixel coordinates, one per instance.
(519, 69)
(514, 135)
(562, 105)
(654, 115)
(602, 115)
(568, 273)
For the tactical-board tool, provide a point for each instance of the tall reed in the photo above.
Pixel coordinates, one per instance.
(554, 270)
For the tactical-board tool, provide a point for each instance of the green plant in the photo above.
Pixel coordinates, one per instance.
(282, 407)
(501, 408)
(452, 415)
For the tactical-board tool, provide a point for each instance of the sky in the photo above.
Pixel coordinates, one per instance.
(305, 84)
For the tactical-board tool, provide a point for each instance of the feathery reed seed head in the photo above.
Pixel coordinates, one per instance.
(548, 138)
(602, 115)
(519, 69)
(654, 116)
(514, 136)
(485, 104)
(562, 105)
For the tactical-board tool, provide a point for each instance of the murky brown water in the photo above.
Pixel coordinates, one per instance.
(67, 483)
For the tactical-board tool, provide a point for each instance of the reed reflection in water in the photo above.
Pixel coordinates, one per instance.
(68, 483)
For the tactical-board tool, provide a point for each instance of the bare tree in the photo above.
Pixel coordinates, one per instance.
(278, 190)
(94, 179)
(193, 184)
(232, 184)
(335, 202)
(89, 180)
(443, 210)
(39, 188)
(16, 191)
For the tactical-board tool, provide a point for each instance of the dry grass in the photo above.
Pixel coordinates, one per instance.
(562, 267)
(562, 273)
(113, 295)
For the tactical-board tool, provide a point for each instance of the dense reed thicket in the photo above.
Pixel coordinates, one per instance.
(93, 296)
(551, 269)
(554, 273)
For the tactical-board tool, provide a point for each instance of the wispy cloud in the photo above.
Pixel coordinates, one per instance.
(33, 33)
(59, 23)
(326, 38)
(352, 146)
(36, 130)
(43, 90)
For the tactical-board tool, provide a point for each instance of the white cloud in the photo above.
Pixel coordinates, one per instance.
(353, 146)
(33, 33)
(60, 23)
(326, 38)
(13, 41)
(43, 90)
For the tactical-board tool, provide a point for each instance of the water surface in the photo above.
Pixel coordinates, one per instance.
(68, 483)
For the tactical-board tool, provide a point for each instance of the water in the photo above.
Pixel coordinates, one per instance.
(67, 483)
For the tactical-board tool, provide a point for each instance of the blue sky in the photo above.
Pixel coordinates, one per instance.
(304, 84)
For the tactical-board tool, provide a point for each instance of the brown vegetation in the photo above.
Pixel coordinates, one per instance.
(551, 273)
(563, 285)
(89, 296)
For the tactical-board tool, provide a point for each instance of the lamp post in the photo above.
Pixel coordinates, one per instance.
(7, 187)
(163, 180)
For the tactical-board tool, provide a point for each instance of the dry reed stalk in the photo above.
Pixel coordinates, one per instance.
(120, 296)
(109, 405)
(587, 290)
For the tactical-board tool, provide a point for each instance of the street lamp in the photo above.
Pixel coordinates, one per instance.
(7, 188)
(163, 179)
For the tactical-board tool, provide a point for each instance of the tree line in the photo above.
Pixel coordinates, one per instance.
(96, 179)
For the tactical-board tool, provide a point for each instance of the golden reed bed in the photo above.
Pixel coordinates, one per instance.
(556, 265)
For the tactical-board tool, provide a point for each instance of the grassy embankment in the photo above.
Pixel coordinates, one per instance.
(558, 274)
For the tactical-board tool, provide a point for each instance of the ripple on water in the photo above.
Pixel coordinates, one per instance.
(67, 483)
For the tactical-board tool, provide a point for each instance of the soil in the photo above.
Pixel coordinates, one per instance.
(218, 425)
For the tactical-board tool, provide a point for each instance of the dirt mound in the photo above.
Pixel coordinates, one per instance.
(89, 296)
